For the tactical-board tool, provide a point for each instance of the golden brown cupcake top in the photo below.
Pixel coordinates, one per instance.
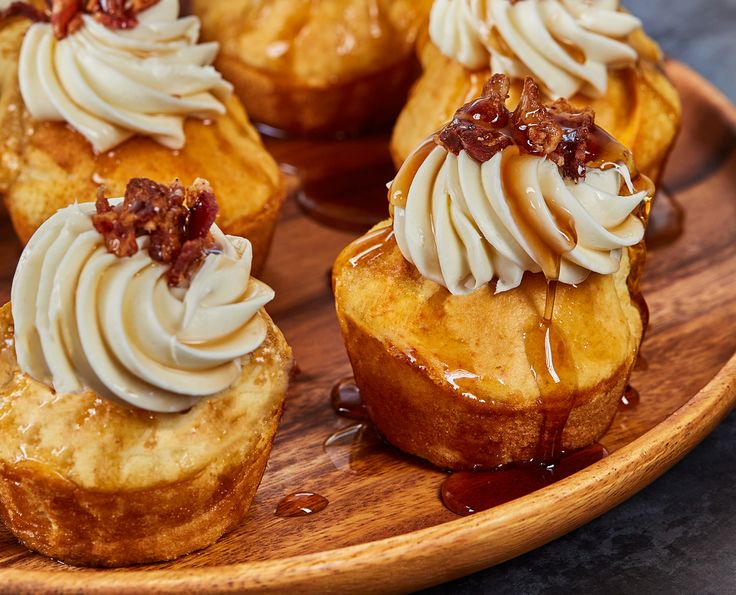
(320, 42)
(144, 300)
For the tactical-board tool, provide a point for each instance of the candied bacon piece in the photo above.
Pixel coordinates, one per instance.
(577, 126)
(188, 260)
(485, 126)
(66, 15)
(63, 12)
(533, 128)
(117, 227)
(203, 212)
(478, 127)
(178, 236)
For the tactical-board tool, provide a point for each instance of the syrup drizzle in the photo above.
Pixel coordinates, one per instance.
(466, 492)
(555, 375)
(630, 398)
(346, 401)
(301, 504)
(549, 358)
(371, 245)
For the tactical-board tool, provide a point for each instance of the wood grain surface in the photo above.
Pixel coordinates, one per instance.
(385, 527)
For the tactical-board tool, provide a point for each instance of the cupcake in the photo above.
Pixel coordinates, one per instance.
(496, 317)
(141, 381)
(316, 67)
(97, 95)
(593, 53)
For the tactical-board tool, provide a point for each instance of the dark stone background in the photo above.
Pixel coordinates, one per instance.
(677, 536)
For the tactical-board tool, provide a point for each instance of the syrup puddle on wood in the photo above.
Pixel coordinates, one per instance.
(630, 399)
(467, 492)
(301, 504)
(345, 400)
(356, 449)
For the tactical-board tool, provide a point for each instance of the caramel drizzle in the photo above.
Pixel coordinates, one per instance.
(549, 357)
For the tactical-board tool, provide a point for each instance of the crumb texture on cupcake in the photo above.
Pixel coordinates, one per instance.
(496, 317)
(141, 381)
(317, 67)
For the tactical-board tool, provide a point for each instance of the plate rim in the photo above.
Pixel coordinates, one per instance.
(436, 554)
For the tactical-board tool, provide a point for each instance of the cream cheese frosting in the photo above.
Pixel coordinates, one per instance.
(86, 319)
(461, 225)
(111, 84)
(567, 45)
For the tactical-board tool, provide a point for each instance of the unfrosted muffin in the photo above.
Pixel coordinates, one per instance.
(495, 318)
(317, 66)
(141, 381)
(593, 53)
(83, 105)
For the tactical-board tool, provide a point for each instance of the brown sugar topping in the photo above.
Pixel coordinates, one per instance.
(485, 126)
(176, 219)
(65, 16)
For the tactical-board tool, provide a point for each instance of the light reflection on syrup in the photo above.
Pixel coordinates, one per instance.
(467, 492)
(346, 401)
(356, 449)
(301, 504)
(630, 399)
(555, 374)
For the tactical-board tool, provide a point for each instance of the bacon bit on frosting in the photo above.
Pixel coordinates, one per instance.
(486, 126)
(66, 15)
(176, 219)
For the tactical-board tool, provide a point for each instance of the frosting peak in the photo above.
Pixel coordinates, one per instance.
(87, 319)
(568, 45)
(111, 84)
(495, 194)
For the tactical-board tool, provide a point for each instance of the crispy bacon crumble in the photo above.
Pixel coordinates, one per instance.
(177, 220)
(65, 16)
(485, 127)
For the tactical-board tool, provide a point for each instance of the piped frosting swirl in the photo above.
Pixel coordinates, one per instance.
(567, 45)
(111, 84)
(87, 319)
(464, 216)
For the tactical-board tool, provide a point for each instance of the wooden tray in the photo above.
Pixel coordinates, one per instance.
(385, 528)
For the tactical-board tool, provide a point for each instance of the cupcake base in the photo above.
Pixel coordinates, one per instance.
(93, 483)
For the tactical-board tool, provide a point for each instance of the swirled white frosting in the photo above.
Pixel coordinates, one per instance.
(111, 84)
(460, 229)
(86, 319)
(534, 37)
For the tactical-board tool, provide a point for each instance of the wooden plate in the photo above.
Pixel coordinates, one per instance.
(385, 527)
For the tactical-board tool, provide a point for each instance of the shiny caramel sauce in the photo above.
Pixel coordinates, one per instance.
(301, 504)
(371, 245)
(346, 401)
(357, 449)
(546, 245)
(398, 191)
(642, 363)
(549, 358)
(467, 492)
(630, 398)
(556, 377)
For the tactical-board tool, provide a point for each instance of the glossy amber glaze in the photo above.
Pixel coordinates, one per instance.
(316, 66)
(45, 166)
(641, 108)
(90, 482)
(449, 377)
